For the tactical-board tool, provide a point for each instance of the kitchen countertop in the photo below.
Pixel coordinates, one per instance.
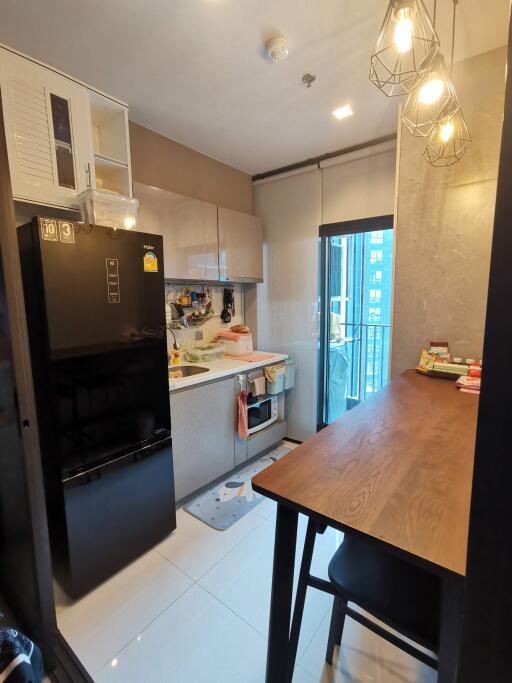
(221, 368)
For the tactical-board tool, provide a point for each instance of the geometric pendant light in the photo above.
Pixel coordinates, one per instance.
(405, 49)
(449, 141)
(431, 102)
(450, 136)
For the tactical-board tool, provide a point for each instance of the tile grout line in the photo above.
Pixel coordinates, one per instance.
(194, 583)
(131, 640)
(230, 609)
(233, 548)
(260, 522)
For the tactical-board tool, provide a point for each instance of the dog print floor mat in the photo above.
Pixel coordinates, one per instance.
(229, 500)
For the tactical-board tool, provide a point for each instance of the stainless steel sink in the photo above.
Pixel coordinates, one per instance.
(179, 371)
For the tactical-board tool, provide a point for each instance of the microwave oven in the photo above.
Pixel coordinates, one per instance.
(262, 413)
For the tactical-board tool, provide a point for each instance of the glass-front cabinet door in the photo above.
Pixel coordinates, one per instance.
(48, 130)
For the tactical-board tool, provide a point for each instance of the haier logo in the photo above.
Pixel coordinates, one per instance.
(149, 246)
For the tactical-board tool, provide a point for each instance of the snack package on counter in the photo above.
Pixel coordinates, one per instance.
(469, 385)
(436, 362)
(426, 362)
(441, 350)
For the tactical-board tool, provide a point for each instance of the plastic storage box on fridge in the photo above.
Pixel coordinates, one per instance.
(109, 209)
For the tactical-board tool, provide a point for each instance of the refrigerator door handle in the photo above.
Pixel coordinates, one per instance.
(97, 468)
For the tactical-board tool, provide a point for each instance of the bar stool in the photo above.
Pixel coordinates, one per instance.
(402, 596)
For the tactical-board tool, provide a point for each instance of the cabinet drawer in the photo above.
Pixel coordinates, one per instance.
(260, 441)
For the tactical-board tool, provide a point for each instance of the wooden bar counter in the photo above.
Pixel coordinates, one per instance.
(397, 469)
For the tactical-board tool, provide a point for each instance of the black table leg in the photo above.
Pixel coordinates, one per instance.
(449, 639)
(300, 596)
(282, 593)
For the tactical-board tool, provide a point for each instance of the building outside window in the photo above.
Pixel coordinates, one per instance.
(359, 305)
(376, 256)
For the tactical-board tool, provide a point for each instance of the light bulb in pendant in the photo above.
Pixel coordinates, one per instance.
(446, 130)
(404, 30)
(432, 103)
(405, 48)
(449, 141)
(431, 91)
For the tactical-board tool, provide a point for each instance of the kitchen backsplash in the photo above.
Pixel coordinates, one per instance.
(187, 337)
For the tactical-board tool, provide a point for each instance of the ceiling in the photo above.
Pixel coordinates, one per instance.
(194, 70)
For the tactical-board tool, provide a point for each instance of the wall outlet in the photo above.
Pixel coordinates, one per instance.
(199, 335)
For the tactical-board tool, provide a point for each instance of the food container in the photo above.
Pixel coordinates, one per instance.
(289, 374)
(237, 347)
(205, 354)
(109, 209)
(277, 373)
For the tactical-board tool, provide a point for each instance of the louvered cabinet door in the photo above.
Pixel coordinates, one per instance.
(48, 130)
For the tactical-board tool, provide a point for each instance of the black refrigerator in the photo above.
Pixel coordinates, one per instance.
(94, 299)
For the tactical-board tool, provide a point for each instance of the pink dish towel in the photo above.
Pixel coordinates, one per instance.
(254, 357)
(243, 429)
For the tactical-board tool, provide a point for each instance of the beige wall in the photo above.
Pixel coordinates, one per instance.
(161, 162)
(444, 225)
(360, 188)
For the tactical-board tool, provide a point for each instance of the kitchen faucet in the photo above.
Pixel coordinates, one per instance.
(175, 346)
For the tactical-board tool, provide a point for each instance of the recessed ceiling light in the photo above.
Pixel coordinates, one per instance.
(343, 112)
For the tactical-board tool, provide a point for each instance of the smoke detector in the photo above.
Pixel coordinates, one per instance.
(277, 48)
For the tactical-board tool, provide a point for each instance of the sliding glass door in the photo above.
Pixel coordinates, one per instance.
(356, 269)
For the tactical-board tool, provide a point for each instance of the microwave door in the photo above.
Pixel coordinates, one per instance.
(261, 415)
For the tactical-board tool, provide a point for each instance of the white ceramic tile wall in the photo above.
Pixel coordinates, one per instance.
(186, 337)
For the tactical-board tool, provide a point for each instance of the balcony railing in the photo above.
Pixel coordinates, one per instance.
(367, 353)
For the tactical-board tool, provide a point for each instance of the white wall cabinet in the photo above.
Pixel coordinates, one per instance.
(48, 131)
(240, 246)
(189, 230)
(57, 131)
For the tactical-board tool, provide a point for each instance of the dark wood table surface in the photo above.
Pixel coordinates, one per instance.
(396, 469)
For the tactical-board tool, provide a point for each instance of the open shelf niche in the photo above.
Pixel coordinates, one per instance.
(111, 145)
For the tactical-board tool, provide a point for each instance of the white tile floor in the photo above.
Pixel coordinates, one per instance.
(196, 607)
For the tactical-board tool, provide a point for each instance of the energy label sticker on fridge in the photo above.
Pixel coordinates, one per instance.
(150, 262)
(114, 292)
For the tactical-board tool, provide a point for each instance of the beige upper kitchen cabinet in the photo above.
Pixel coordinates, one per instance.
(189, 230)
(48, 129)
(240, 247)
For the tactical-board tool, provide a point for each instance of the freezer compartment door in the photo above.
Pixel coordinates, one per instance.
(115, 513)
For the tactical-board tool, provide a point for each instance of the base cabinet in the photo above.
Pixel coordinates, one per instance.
(203, 423)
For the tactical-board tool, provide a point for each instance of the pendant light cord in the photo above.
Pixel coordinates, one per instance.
(455, 3)
(434, 14)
